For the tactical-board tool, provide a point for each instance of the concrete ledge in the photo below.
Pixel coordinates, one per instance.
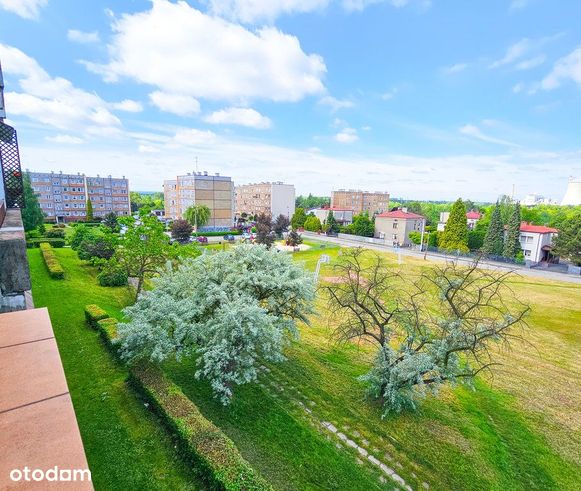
(14, 272)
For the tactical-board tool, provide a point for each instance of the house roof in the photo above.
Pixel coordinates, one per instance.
(537, 229)
(473, 215)
(404, 215)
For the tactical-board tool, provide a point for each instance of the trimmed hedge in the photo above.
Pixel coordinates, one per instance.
(108, 330)
(35, 242)
(216, 234)
(201, 440)
(55, 270)
(93, 314)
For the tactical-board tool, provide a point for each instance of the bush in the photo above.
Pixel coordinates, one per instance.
(201, 440)
(217, 234)
(108, 331)
(93, 314)
(112, 275)
(55, 233)
(96, 247)
(59, 225)
(55, 270)
(32, 234)
(181, 230)
(55, 243)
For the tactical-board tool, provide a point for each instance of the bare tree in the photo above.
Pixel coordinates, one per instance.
(431, 329)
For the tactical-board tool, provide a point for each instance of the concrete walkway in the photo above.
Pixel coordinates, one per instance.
(437, 257)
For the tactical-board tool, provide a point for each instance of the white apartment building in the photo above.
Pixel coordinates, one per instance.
(200, 188)
(63, 197)
(536, 242)
(271, 198)
(343, 216)
(395, 226)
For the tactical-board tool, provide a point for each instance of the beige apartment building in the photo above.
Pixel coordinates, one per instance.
(271, 198)
(360, 201)
(63, 197)
(395, 226)
(201, 188)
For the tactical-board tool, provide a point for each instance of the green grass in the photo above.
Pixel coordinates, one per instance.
(125, 444)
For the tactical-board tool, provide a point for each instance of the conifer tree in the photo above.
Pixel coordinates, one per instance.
(89, 211)
(455, 235)
(494, 239)
(298, 219)
(512, 244)
(332, 225)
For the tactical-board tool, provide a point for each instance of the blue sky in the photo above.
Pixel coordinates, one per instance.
(424, 99)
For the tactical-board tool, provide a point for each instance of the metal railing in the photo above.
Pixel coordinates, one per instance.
(10, 165)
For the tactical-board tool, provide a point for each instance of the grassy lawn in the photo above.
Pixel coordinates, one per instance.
(520, 430)
(126, 447)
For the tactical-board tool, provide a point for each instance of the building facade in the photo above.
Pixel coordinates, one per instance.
(199, 188)
(360, 201)
(63, 197)
(536, 242)
(472, 218)
(395, 226)
(271, 198)
(343, 216)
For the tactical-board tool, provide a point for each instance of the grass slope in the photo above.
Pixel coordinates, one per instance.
(126, 446)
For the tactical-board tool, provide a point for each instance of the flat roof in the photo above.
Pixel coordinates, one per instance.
(38, 426)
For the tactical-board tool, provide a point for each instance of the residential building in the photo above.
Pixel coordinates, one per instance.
(472, 218)
(200, 188)
(271, 198)
(63, 197)
(360, 201)
(536, 199)
(536, 242)
(395, 226)
(343, 216)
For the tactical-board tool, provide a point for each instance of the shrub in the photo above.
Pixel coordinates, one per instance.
(55, 243)
(181, 230)
(217, 234)
(33, 234)
(112, 275)
(59, 225)
(55, 233)
(108, 331)
(55, 270)
(201, 440)
(93, 314)
(97, 247)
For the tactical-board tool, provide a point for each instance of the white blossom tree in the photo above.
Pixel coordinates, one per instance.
(230, 309)
(430, 330)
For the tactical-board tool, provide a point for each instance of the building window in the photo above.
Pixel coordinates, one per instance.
(394, 224)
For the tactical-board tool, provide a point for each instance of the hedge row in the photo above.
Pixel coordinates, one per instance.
(56, 243)
(202, 441)
(93, 314)
(201, 233)
(55, 270)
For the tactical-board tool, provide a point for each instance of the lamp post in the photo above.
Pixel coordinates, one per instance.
(324, 259)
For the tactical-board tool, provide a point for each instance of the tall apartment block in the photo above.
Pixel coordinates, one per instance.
(271, 198)
(360, 201)
(63, 197)
(201, 188)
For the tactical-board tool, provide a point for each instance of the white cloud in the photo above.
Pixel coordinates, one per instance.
(390, 94)
(207, 57)
(475, 132)
(335, 104)
(518, 4)
(128, 106)
(358, 5)
(456, 68)
(518, 88)
(347, 135)
(513, 53)
(566, 68)
(83, 37)
(240, 116)
(531, 62)
(65, 139)
(53, 101)
(29, 9)
(194, 137)
(251, 11)
(147, 149)
(182, 105)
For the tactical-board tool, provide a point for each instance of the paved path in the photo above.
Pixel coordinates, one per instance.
(437, 257)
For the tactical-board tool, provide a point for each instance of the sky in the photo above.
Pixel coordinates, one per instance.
(424, 99)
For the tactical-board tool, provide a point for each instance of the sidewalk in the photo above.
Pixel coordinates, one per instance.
(437, 257)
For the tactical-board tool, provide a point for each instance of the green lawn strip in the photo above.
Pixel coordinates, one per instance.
(275, 438)
(125, 443)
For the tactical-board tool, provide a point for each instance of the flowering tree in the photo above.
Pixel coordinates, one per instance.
(230, 309)
(433, 330)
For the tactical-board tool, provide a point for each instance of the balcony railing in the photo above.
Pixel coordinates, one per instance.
(11, 171)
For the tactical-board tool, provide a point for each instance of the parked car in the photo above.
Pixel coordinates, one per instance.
(229, 237)
(202, 240)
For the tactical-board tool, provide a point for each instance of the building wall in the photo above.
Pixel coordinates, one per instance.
(344, 217)
(216, 192)
(360, 201)
(395, 231)
(64, 196)
(532, 244)
(271, 198)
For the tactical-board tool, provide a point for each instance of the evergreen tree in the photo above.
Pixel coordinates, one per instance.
(512, 244)
(89, 211)
(494, 239)
(298, 219)
(568, 242)
(312, 224)
(363, 225)
(32, 216)
(332, 225)
(455, 235)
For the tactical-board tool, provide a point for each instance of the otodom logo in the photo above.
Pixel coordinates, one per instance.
(53, 474)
